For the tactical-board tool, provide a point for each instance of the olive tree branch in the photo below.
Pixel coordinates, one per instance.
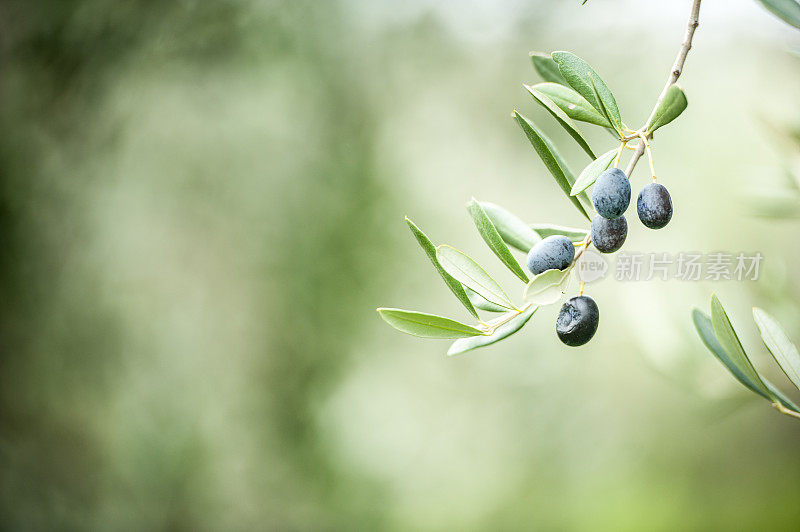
(675, 73)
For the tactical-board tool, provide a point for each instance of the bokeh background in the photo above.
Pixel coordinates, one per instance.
(202, 203)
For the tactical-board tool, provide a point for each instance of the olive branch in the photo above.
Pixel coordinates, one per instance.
(571, 91)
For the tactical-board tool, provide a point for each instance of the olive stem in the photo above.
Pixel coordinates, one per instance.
(783, 410)
(677, 67)
(619, 153)
(675, 73)
(492, 326)
(649, 155)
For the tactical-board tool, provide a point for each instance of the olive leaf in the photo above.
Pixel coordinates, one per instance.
(728, 339)
(573, 233)
(547, 68)
(430, 250)
(501, 333)
(778, 343)
(786, 10)
(426, 325)
(604, 110)
(590, 174)
(573, 104)
(706, 331)
(547, 287)
(480, 303)
(514, 231)
(562, 118)
(580, 76)
(554, 163)
(472, 275)
(670, 108)
(493, 239)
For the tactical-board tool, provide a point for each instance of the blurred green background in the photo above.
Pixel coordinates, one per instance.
(202, 204)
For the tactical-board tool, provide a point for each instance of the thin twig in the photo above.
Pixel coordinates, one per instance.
(675, 73)
(783, 410)
(635, 159)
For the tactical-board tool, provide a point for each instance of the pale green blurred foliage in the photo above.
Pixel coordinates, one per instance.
(202, 204)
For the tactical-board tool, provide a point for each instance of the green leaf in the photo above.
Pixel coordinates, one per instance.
(493, 239)
(573, 233)
(562, 118)
(426, 325)
(580, 76)
(603, 108)
(501, 333)
(470, 274)
(593, 171)
(706, 331)
(779, 344)
(582, 197)
(554, 163)
(547, 68)
(729, 341)
(547, 287)
(785, 401)
(430, 251)
(786, 10)
(670, 108)
(513, 230)
(573, 104)
(482, 304)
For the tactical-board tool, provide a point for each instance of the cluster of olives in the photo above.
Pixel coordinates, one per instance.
(579, 317)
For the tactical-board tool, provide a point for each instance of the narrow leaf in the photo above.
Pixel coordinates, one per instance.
(513, 230)
(785, 401)
(547, 68)
(706, 331)
(551, 160)
(472, 275)
(545, 230)
(786, 10)
(547, 287)
(501, 333)
(493, 239)
(573, 104)
(670, 108)
(562, 118)
(426, 325)
(729, 341)
(579, 76)
(779, 344)
(593, 171)
(584, 199)
(481, 303)
(604, 110)
(430, 251)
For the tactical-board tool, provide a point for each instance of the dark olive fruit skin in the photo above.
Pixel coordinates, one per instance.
(577, 321)
(552, 253)
(609, 235)
(611, 194)
(654, 206)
